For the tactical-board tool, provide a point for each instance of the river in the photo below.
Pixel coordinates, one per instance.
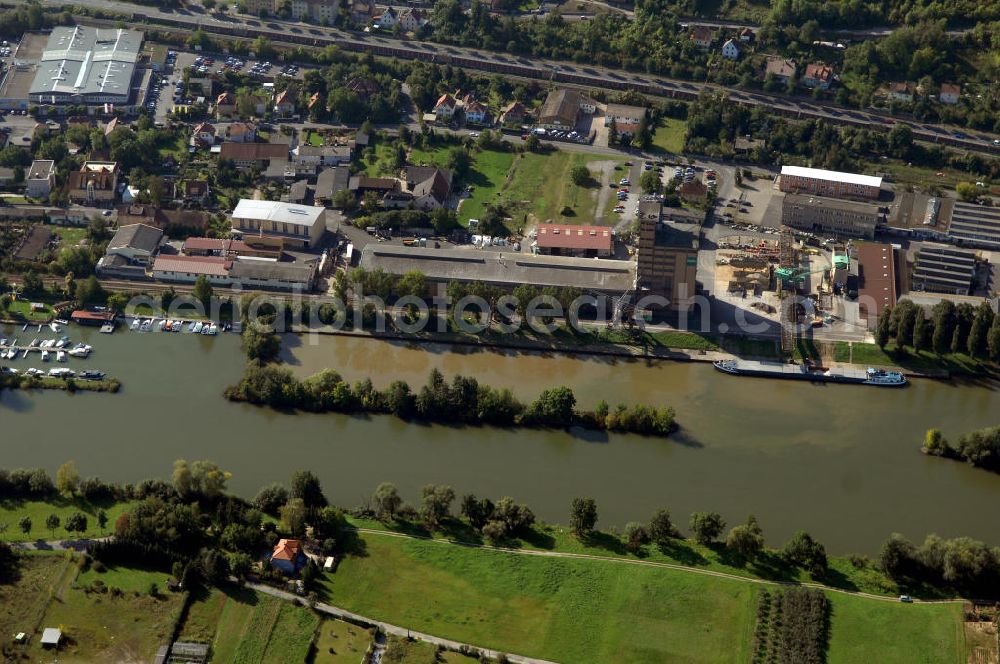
(841, 461)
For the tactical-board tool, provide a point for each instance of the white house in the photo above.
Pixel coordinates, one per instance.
(412, 19)
(950, 93)
(387, 19)
(327, 155)
(731, 50)
(40, 178)
(475, 112)
(203, 135)
(444, 109)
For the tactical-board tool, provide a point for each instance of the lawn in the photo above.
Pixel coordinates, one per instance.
(70, 236)
(315, 139)
(339, 642)
(487, 177)
(381, 165)
(564, 610)
(12, 511)
(863, 631)
(541, 186)
(21, 310)
(924, 361)
(129, 579)
(670, 135)
(247, 627)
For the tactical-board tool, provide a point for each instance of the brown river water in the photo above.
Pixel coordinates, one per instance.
(841, 461)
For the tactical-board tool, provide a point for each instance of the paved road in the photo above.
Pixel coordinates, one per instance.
(537, 68)
(58, 545)
(389, 628)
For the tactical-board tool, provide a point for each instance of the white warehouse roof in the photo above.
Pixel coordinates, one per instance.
(832, 176)
(276, 211)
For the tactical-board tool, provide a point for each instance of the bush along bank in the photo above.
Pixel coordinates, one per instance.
(979, 448)
(462, 401)
(50, 383)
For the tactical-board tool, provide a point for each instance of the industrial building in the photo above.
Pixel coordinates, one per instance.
(297, 225)
(877, 285)
(89, 66)
(941, 269)
(573, 240)
(975, 225)
(830, 216)
(506, 270)
(668, 257)
(800, 180)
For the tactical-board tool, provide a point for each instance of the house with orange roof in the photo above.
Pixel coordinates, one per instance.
(284, 104)
(288, 556)
(225, 105)
(445, 107)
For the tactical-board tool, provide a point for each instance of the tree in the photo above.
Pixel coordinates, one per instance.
(459, 161)
(967, 191)
(945, 322)
(52, 522)
(979, 331)
(67, 479)
(183, 479)
(260, 343)
(905, 316)
(306, 486)
(25, 524)
(387, 500)
(636, 536)
(553, 407)
(661, 528)
(746, 539)
(203, 291)
(435, 503)
(807, 553)
(77, 522)
(117, 302)
(479, 511)
(293, 517)
(993, 340)
(882, 329)
(706, 526)
(102, 520)
(649, 182)
(580, 176)
(583, 517)
(922, 332)
(898, 557)
(270, 498)
(934, 443)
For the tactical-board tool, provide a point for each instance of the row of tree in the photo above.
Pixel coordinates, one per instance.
(979, 448)
(962, 563)
(950, 328)
(462, 401)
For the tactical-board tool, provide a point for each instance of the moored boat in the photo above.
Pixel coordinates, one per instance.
(811, 372)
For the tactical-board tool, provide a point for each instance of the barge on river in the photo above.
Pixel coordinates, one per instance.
(817, 374)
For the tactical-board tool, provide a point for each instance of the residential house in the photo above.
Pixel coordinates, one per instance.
(329, 182)
(731, 50)
(513, 113)
(475, 112)
(746, 35)
(315, 11)
(241, 132)
(950, 93)
(902, 92)
(254, 155)
(386, 19)
(429, 186)
(412, 19)
(781, 69)
(225, 105)
(626, 119)
(95, 184)
(361, 184)
(6, 176)
(315, 103)
(203, 135)
(326, 155)
(191, 191)
(562, 109)
(259, 7)
(284, 104)
(136, 243)
(297, 225)
(445, 107)
(818, 76)
(701, 35)
(298, 192)
(40, 178)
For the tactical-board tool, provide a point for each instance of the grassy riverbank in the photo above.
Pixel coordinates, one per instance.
(586, 610)
(65, 384)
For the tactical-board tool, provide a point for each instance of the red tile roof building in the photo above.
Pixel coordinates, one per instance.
(574, 240)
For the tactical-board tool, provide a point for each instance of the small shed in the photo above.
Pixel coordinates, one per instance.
(328, 565)
(51, 637)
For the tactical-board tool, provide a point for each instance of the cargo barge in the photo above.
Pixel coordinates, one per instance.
(817, 374)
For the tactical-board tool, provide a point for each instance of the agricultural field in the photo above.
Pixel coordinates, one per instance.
(12, 511)
(245, 626)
